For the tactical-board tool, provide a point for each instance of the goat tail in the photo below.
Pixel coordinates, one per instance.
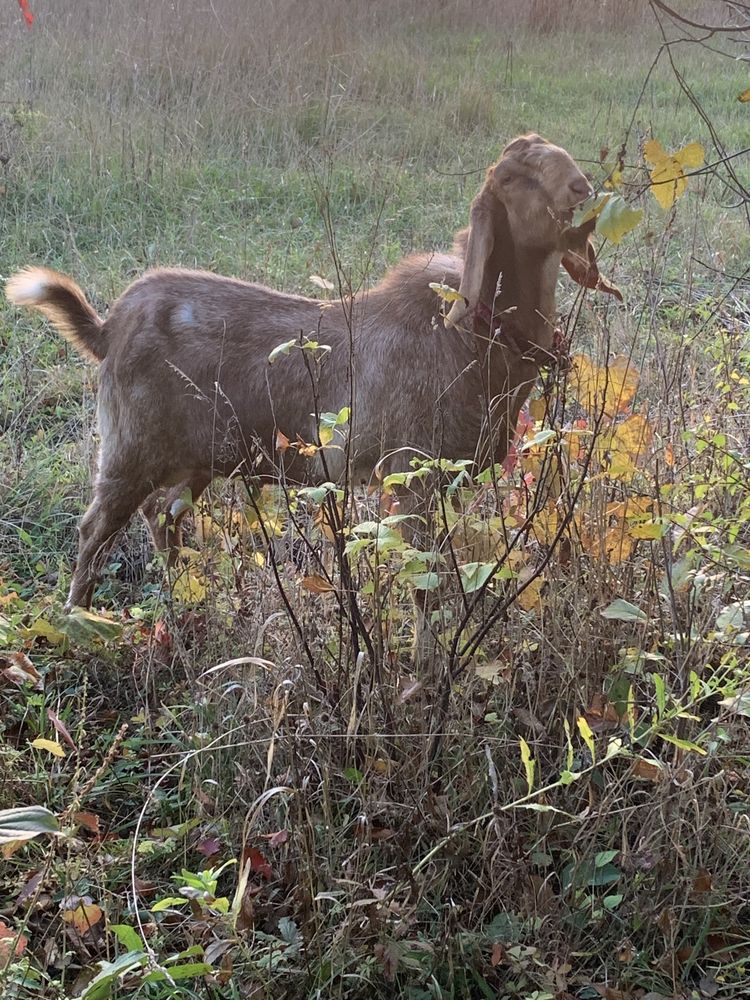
(63, 303)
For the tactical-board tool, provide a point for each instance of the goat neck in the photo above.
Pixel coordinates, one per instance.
(536, 272)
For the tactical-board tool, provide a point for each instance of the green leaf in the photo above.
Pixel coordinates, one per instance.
(187, 971)
(739, 555)
(617, 219)
(590, 208)
(541, 437)
(26, 822)
(739, 704)
(82, 625)
(127, 936)
(423, 581)
(474, 575)
(318, 494)
(660, 689)
(604, 857)
(624, 611)
(567, 777)
(168, 903)
(100, 987)
(683, 744)
(586, 873)
(281, 349)
(290, 932)
(733, 617)
(329, 422)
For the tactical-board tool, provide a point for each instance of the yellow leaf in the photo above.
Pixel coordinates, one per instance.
(744, 97)
(667, 176)
(610, 390)
(668, 182)
(622, 387)
(326, 435)
(530, 599)
(52, 746)
(45, 630)
(545, 524)
(9, 847)
(635, 507)
(628, 444)
(528, 762)
(587, 735)
(653, 151)
(649, 530)
(537, 408)
(692, 155)
(189, 587)
(616, 546)
(614, 180)
(84, 916)
(445, 292)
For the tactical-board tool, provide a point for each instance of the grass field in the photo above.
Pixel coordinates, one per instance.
(554, 802)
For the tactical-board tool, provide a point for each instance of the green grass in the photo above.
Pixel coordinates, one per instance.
(145, 134)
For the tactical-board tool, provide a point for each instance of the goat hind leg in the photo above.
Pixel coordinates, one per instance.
(164, 521)
(114, 503)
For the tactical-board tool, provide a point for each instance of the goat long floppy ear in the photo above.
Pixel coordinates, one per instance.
(482, 225)
(579, 260)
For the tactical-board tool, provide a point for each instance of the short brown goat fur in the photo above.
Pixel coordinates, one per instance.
(186, 390)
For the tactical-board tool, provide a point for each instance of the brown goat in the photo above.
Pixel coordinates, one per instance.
(186, 390)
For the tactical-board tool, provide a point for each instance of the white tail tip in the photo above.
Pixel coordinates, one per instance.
(27, 287)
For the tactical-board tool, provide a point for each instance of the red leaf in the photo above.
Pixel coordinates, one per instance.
(276, 839)
(511, 460)
(26, 11)
(21, 670)
(61, 728)
(209, 846)
(161, 634)
(258, 863)
(88, 820)
(11, 943)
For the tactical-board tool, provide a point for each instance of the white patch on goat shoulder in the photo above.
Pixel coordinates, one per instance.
(27, 287)
(184, 314)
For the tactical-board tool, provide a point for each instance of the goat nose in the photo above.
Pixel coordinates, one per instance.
(581, 187)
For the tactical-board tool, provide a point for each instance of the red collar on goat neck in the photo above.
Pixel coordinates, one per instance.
(484, 314)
